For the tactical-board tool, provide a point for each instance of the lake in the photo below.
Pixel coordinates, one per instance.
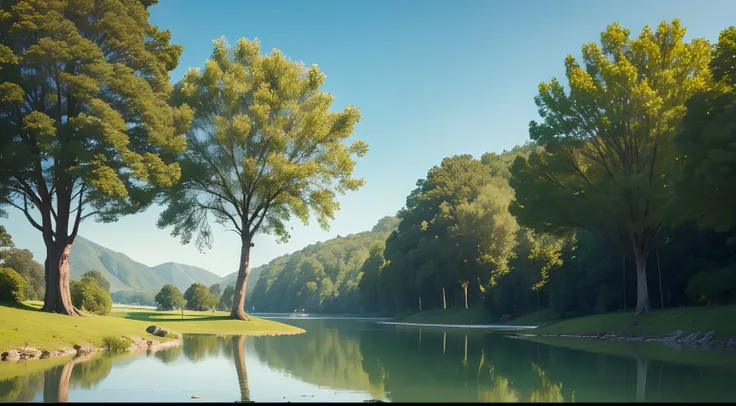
(360, 360)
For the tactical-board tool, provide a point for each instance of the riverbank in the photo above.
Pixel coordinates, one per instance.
(27, 333)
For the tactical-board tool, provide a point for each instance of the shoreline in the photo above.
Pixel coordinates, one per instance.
(474, 326)
(674, 340)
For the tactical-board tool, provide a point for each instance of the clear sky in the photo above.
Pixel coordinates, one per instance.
(431, 78)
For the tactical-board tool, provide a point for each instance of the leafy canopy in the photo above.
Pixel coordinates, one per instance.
(99, 278)
(12, 286)
(198, 297)
(263, 146)
(609, 154)
(706, 143)
(87, 295)
(169, 298)
(84, 114)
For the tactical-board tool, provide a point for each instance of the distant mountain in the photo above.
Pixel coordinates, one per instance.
(255, 274)
(182, 276)
(126, 274)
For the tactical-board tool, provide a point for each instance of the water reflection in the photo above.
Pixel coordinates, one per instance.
(338, 359)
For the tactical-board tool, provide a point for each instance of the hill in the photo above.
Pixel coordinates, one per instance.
(255, 274)
(182, 276)
(126, 274)
(321, 277)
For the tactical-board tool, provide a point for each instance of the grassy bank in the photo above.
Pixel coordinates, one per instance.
(473, 315)
(656, 323)
(27, 326)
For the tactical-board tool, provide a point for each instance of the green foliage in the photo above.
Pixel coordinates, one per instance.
(708, 154)
(99, 278)
(86, 123)
(116, 343)
(170, 298)
(713, 287)
(32, 272)
(226, 300)
(386, 225)
(198, 297)
(609, 143)
(265, 148)
(89, 296)
(12, 286)
(216, 290)
(6, 242)
(322, 277)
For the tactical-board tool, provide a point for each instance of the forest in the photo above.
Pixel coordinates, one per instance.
(622, 198)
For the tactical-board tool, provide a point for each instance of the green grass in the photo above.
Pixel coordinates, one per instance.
(25, 325)
(656, 323)
(473, 315)
(539, 318)
(204, 322)
(116, 344)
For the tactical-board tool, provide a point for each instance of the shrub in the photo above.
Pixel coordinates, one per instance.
(199, 297)
(89, 296)
(12, 286)
(713, 287)
(116, 344)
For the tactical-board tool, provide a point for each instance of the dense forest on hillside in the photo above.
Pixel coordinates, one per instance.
(322, 277)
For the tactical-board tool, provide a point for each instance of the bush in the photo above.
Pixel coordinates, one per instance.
(199, 297)
(12, 286)
(713, 287)
(89, 296)
(116, 344)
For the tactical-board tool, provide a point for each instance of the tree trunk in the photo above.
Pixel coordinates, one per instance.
(659, 272)
(623, 273)
(57, 298)
(420, 301)
(444, 299)
(444, 342)
(239, 356)
(465, 291)
(642, 365)
(238, 310)
(642, 292)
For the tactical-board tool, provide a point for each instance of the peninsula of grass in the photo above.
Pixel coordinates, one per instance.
(656, 323)
(26, 326)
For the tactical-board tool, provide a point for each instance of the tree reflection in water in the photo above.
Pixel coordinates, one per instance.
(239, 357)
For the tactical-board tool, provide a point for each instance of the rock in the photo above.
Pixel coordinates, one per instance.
(689, 340)
(674, 335)
(44, 354)
(77, 347)
(706, 338)
(82, 350)
(673, 344)
(11, 356)
(157, 331)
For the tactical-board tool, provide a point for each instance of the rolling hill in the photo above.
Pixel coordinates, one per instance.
(126, 274)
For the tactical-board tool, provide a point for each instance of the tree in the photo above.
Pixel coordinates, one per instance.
(6, 243)
(386, 225)
(170, 298)
(86, 128)
(263, 147)
(31, 271)
(99, 278)
(12, 286)
(706, 143)
(198, 297)
(216, 290)
(609, 142)
(226, 300)
(87, 295)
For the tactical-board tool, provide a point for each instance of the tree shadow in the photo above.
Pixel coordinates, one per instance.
(159, 317)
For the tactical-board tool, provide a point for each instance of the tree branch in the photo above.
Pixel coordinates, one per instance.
(78, 219)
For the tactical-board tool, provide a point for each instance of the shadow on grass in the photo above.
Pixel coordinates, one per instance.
(22, 306)
(170, 318)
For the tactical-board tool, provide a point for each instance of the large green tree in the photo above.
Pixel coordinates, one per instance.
(85, 128)
(170, 298)
(199, 297)
(22, 262)
(609, 142)
(707, 143)
(263, 147)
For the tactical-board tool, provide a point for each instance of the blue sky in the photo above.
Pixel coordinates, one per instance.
(431, 78)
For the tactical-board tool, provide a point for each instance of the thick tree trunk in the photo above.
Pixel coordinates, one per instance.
(238, 310)
(444, 299)
(57, 298)
(239, 356)
(642, 291)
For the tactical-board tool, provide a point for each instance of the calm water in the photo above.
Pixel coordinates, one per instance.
(358, 360)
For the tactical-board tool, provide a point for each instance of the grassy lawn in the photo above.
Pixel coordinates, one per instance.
(656, 323)
(541, 317)
(25, 325)
(203, 322)
(473, 315)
